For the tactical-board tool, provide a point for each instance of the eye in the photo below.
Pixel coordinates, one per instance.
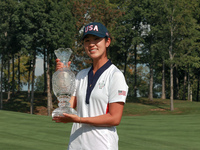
(97, 38)
(86, 40)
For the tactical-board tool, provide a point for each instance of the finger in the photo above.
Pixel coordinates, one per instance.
(57, 118)
(57, 60)
(54, 119)
(66, 115)
(59, 65)
(69, 63)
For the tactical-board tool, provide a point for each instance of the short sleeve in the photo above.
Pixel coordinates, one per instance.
(118, 88)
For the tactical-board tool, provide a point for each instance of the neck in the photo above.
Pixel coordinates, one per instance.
(98, 64)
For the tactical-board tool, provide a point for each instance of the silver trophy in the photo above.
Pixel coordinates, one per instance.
(63, 83)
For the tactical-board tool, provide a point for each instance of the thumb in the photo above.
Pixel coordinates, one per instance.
(57, 60)
(69, 63)
(66, 115)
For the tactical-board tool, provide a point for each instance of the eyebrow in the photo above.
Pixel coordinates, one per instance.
(91, 35)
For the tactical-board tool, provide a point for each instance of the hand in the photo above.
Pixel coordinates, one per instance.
(67, 118)
(60, 65)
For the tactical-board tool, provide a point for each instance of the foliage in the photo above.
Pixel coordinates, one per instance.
(86, 11)
(145, 35)
(23, 72)
(39, 84)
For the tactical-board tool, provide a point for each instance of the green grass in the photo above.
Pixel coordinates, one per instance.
(142, 106)
(21, 131)
(145, 125)
(157, 132)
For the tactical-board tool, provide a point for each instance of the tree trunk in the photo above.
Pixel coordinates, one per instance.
(177, 85)
(198, 87)
(191, 94)
(125, 63)
(171, 88)
(19, 80)
(8, 79)
(1, 83)
(13, 75)
(32, 86)
(151, 72)
(51, 72)
(163, 81)
(151, 84)
(189, 89)
(45, 74)
(135, 86)
(29, 84)
(171, 56)
(49, 95)
(184, 85)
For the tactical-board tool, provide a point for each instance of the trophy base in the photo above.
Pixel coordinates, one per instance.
(58, 112)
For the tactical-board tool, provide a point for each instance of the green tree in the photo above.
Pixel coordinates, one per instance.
(7, 37)
(154, 45)
(182, 35)
(60, 33)
(196, 14)
(86, 11)
(128, 37)
(39, 84)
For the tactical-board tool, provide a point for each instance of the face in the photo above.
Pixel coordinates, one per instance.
(95, 46)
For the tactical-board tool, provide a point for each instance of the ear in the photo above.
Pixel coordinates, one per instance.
(108, 42)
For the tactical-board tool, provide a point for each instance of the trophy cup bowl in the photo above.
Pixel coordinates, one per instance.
(63, 82)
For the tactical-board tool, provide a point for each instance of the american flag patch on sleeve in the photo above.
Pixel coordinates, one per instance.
(120, 92)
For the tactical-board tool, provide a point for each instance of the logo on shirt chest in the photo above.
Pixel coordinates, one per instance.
(101, 84)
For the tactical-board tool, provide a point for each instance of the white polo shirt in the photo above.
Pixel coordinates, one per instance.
(108, 85)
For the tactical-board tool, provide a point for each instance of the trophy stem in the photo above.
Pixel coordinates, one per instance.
(64, 107)
(64, 101)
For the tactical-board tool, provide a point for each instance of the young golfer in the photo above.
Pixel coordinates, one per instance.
(99, 96)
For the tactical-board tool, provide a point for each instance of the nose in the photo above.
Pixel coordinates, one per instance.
(91, 43)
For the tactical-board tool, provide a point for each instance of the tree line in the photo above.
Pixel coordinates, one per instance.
(154, 42)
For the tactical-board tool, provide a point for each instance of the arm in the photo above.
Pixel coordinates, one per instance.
(113, 118)
(73, 102)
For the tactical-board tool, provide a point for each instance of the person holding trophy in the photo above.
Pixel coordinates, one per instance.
(99, 96)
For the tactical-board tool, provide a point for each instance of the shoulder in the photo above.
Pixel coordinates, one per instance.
(116, 75)
(115, 71)
(83, 73)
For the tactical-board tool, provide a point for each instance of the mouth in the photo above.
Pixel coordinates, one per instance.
(93, 50)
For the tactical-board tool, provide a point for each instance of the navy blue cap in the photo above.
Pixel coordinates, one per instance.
(95, 28)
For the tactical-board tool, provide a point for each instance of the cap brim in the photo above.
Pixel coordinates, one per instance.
(96, 34)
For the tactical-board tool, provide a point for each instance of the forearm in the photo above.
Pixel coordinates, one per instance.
(102, 120)
(73, 102)
(113, 118)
